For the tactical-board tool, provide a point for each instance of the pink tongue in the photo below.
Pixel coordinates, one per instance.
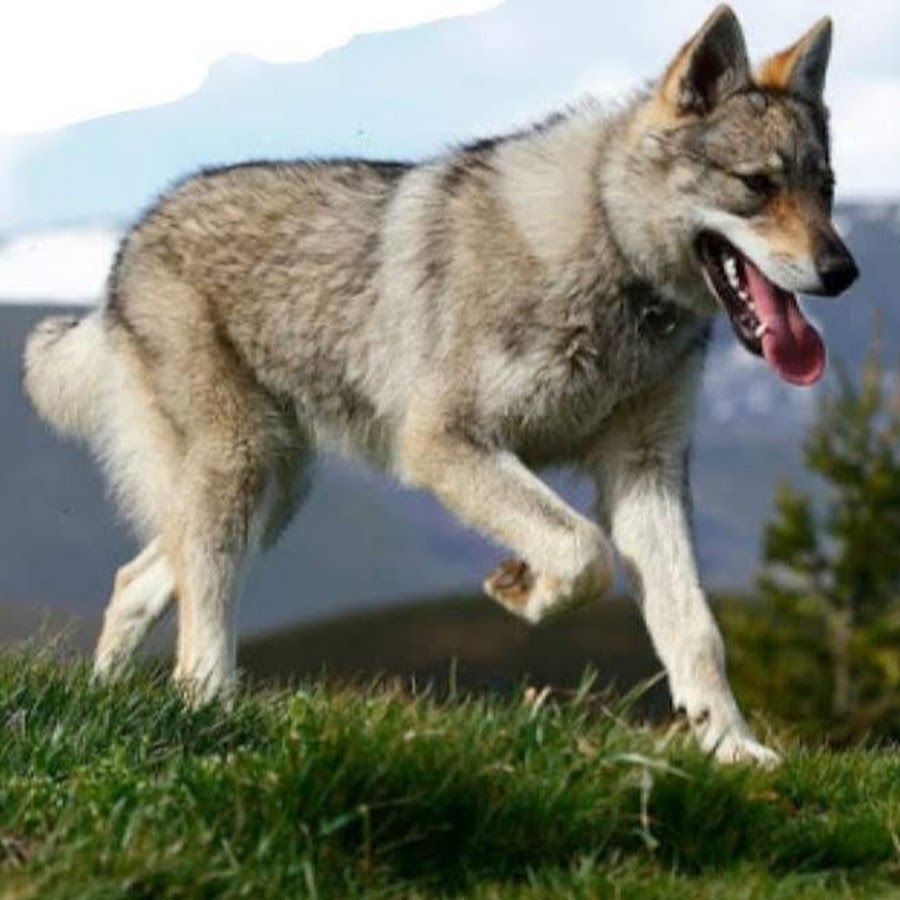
(791, 346)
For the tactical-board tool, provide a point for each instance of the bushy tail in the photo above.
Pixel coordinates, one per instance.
(65, 359)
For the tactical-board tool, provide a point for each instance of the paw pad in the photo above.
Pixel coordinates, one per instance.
(512, 580)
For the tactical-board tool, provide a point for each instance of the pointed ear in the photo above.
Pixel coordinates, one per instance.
(801, 68)
(709, 67)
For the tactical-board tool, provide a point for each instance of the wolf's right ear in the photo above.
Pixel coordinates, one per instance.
(709, 67)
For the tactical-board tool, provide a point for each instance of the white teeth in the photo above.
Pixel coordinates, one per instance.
(760, 330)
(742, 293)
(731, 271)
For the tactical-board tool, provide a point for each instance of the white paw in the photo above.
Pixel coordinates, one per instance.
(720, 728)
(106, 668)
(201, 689)
(744, 749)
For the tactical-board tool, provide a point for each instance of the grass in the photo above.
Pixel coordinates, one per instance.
(122, 792)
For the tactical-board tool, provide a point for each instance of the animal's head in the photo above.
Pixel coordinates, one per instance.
(733, 168)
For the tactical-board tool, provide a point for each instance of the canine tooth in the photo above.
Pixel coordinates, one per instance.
(760, 330)
(731, 271)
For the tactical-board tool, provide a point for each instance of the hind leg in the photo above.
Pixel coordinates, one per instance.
(240, 484)
(140, 451)
(230, 434)
(143, 589)
(218, 528)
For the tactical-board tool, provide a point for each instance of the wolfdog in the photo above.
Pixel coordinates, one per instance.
(544, 297)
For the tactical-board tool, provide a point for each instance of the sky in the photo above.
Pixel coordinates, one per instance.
(112, 100)
(60, 54)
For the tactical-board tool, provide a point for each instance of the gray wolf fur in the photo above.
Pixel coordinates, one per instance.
(542, 297)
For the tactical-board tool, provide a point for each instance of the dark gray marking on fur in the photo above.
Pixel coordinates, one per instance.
(471, 164)
(652, 316)
(387, 170)
(481, 145)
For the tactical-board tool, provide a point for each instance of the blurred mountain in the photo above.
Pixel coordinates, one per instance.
(361, 541)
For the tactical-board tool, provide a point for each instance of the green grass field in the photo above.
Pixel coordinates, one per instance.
(333, 792)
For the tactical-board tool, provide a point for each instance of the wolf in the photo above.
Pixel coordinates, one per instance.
(543, 297)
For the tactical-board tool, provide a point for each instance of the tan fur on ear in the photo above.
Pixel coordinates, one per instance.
(800, 69)
(709, 67)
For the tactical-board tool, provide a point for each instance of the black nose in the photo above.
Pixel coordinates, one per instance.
(837, 270)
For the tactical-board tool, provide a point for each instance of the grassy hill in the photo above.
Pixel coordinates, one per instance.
(108, 793)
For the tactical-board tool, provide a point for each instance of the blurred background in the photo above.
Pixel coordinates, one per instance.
(111, 104)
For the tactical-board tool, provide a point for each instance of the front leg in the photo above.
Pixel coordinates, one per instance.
(563, 559)
(641, 472)
(642, 496)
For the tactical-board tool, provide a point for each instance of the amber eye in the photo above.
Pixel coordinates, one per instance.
(759, 183)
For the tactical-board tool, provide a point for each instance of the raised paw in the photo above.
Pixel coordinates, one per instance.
(534, 596)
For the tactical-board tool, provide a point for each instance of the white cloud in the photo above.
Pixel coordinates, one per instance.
(63, 266)
(63, 62)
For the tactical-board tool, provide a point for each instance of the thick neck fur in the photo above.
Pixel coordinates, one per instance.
(549, 180)
(588, 187)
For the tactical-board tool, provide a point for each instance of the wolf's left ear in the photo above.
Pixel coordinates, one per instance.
(801, 68)
(709, 67)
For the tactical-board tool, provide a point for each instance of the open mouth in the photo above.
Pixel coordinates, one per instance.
(767, 319)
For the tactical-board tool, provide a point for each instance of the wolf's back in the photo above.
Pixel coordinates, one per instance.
(64, 362)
